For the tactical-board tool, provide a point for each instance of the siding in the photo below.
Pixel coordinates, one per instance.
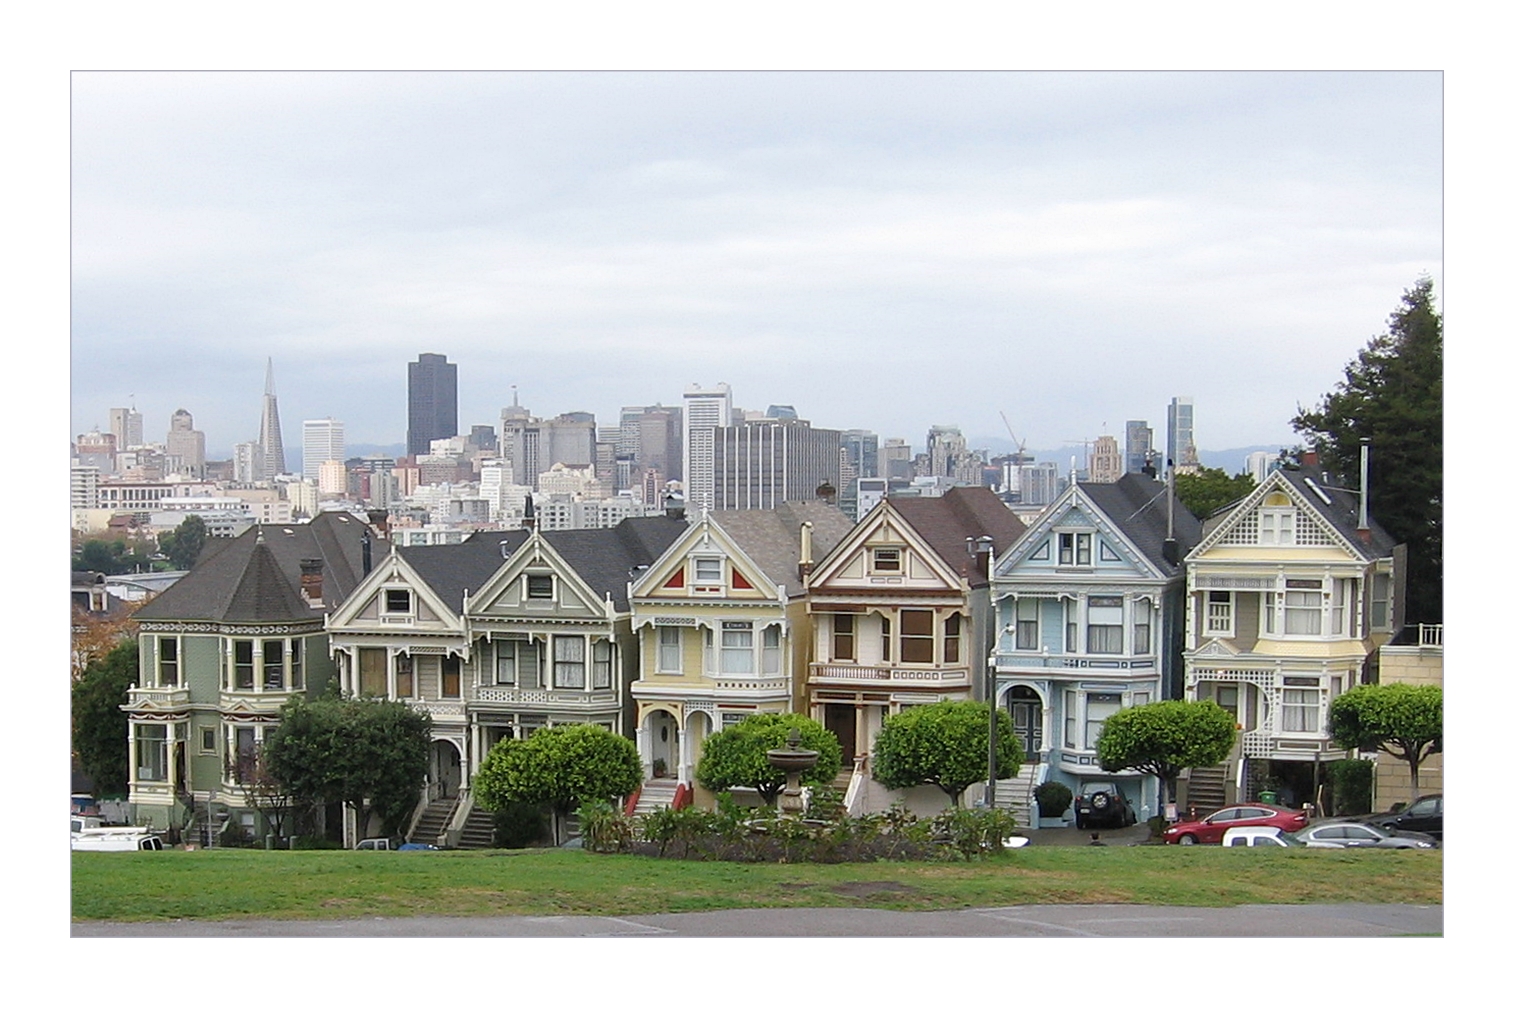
(1248, 619)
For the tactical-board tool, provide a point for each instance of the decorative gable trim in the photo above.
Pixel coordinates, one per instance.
(1241, 527)
(394, 572)
(1074, 510)
(883, 527)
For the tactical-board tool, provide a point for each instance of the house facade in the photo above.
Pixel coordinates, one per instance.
(497, 636)
(222, 650)
(722, 627)
(1289, 596)
(900, 612)
(1089, 607)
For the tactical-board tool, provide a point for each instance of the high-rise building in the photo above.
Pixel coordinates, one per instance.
(270, 438)
(324, 439)
(1038, 483)
(1104, 465)
(659, 441)
(186, 445)
(863, 447)
(433, 402)
(894, 460)
(520, 442)
(568, 439)
(126, 426)
(761, 464)
(483, 438)
(704, 410)
(246, 462)
(1138, 446)
(1260, 464)
(1181, 451)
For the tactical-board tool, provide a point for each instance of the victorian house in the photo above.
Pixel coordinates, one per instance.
(722, 629)
(901, 617)
(1290, 594)
(224, 648)
(1089, 604)
(497, 636)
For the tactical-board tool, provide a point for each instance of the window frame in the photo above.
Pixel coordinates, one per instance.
(848, 652)
(1074, 549)
(669, 643)
(1105, 634)
(876, 559)
(1030, 640)
(169, 679)
(1219, 615)
(392, 604)
(735, 644)
(563, 662)
(913, 643)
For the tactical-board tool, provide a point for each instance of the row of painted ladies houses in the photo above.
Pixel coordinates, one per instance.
(668, 630)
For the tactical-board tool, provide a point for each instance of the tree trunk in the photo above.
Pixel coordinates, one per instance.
(1412, 756)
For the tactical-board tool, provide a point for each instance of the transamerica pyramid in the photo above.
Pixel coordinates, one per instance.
(270, 439)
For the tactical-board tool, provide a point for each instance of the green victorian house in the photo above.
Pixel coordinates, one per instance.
(222, 650)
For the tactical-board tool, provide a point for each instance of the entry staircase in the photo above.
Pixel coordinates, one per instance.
(477, 831)
(1017, 794)
(656, 794)
(1206, 789)
(431, 827)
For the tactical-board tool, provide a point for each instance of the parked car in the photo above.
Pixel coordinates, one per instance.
(1102, 805)
(393, 844)
(1355, 834)
(1260, 835)
(1423, 815)
(1212, 828)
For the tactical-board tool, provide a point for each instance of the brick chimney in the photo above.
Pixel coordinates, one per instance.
(379, 520)
(312, 575)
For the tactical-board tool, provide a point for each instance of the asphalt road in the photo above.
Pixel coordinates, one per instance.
(1058, 922)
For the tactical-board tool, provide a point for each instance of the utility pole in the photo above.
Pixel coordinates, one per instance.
(984, 545)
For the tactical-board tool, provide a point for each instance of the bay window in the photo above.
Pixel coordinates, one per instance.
(1219, 613)
(736, 648)
(1106, 624)
(152, 752)
(772, 652)
(951, 650)
(1100, 706)
(372, 672)
(404, 675)
(568, 661)
(1302, 607)
(1300, 705)
(273, 663)
(1070, 635)
(602, 656)
(452, 678)
(168, 661)
(1140, 629)
(241, 664)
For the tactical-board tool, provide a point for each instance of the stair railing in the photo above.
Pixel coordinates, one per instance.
(454, 829)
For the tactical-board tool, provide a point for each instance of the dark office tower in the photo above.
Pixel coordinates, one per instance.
(433, 402)
(863, 447)
(270, 439)
(1138, 441)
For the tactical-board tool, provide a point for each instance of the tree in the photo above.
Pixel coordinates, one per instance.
(1403, 720)
(563, 767)
(1210, 489)
(946, 745)
(1164, 738)
(369, 754)
(183, 544)
(737, 757)
(100, 726)
(1392, 395)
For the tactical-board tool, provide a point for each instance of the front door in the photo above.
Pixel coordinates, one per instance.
(1025, 709)
(841, 721)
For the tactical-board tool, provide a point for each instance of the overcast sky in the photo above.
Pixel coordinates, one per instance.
(880, 250)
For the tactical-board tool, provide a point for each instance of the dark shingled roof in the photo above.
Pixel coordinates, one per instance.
(1138, 507)
(947, 522)
(255, 577)
(1341, 512)
(772, 537)
(603, 557)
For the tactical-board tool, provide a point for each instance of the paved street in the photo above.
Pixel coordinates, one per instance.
(1057, 922)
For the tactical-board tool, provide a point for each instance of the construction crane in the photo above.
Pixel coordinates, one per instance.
(1020, 458)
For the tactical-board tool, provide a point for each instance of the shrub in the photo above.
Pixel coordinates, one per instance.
(605, 828)
(1053, 799)
(971, 832)
(518, 825)
(1351, 786)
(826, 803)
(314, 842)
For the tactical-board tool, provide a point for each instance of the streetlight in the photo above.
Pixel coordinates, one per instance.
(984, 544)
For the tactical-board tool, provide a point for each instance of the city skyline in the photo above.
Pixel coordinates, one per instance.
(880, 251)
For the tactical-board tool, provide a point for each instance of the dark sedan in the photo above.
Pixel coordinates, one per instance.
(1423, 815)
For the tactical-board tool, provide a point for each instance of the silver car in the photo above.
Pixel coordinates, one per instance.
(1353, 835)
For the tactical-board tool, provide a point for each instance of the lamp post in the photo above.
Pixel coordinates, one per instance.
(984, 545)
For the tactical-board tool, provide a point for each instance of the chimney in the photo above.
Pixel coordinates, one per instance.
(806, 556)
(379, 519)
(1363, 530)
(311, 578)
(1309, 459)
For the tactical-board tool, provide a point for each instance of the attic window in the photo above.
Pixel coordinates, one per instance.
(887, 560)
(396, 601)
(707, 569)
(538, 587)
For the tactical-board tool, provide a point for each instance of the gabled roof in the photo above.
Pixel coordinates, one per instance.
(254, 577)
(771, 538)
(947, 522)
(1137, 506)
(1333, 505)
(608, 558)
(457, 568)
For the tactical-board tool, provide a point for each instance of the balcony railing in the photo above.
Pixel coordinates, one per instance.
(1082, 662)
(545, 697)
(169, 696)
(868, 673)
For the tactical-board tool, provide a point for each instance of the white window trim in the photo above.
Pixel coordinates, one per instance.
(663, 667)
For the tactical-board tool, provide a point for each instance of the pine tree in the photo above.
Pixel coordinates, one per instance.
(1392, 396)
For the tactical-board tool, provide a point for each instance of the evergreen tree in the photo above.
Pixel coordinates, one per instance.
(99, 723)
(1392, 396)
(1211, 489)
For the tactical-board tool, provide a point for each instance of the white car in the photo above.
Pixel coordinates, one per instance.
(1268, 835)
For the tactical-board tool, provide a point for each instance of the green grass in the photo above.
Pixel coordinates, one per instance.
(217, 884)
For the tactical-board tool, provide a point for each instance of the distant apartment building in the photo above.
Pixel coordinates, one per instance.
(97, 449)
(1038, 484)
(1104, 465)
(323, 439)
(1138, 446)
(126, 426)
(1261, 463)
(186, 445)
(947, 456)
(1182, 453)
(704, 412)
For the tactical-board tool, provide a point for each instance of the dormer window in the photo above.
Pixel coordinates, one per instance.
(1075, 549)
(538, 587)
(888, 560)
(396, 601)
(707, 570)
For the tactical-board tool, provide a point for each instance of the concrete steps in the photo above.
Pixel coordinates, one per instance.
(1206, 789)
(433, 821)
(655, 795)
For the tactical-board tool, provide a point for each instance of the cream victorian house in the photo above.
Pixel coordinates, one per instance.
(722, 630)
(1290, 593)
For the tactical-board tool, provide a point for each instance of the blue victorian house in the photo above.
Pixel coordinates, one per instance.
(1089, 610)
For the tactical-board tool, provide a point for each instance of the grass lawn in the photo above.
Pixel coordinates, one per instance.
(212, 884)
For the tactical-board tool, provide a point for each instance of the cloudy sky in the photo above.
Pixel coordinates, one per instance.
(880, 250)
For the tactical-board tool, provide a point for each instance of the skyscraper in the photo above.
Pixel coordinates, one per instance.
(1137, 445)
(704, 410)
(324, 439)
(1181, 452)
(1104, 466)
(270, 438)
(433, 402)
(126, 426)
(863, 447)
(760, 464)
(186, 444)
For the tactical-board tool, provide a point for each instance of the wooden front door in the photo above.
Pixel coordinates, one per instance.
(841, 721)
(1025, 709)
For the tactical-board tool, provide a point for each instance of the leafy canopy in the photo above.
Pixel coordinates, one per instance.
(1164, 738)
(1392, 394)
(1406, 721)
(737, 756)
(100, 726)
(946, 745)
(369, 754)
(564, 766)
(1210, 489)
(182, 546)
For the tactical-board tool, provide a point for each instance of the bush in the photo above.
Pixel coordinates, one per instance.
(1053, 799)
(605, 828)
(518, 825)
(826, 803)
(1351, 786)
(314, 842)
(971, 832)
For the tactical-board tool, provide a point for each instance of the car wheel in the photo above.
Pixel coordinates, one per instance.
(1188, 840)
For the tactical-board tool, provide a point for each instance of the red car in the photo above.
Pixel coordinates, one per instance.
(1212, 828)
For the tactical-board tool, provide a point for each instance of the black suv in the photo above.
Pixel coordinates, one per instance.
(1102, 805)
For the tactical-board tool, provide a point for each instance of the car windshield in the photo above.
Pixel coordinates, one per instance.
(1289, 839)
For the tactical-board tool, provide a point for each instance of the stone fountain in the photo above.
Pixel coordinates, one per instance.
(793, 761)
